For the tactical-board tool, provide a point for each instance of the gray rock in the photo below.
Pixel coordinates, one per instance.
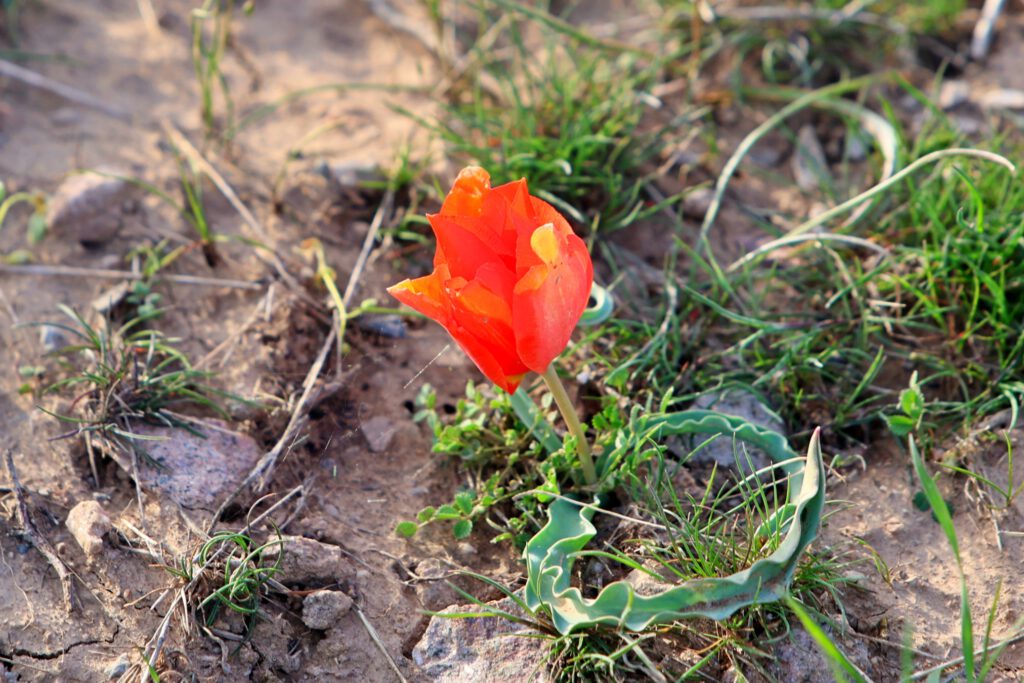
(646, 585)
(52, 338)
(697, 203)
(432, 589)
(195, 471)
(724, 451)
(378, 431)
(856, 147)
(350, 173)
(117, 669)
(1002, 98)
(468, 650)
(770, 150)
(88, 523)
(66, 116)
(809, 163)
(305, 561)
(87, 206)
(322, 610)
(953, 93)
(390, 326)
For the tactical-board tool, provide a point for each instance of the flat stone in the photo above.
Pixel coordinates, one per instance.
(195, 471)
(468, 650)
(87, 206)
(322, 610)
(307, 562)
(378, 431)
(722, 450)
(88, 524)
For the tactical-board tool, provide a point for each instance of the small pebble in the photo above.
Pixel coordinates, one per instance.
(52, 339)
(1002, 99)
(88, 523)
(953, 93)
(322, 610)
(117, 669)
(378, 431)
(88, 207)
(390, 326)
(66, 116)
(697, 203)
(809, 164)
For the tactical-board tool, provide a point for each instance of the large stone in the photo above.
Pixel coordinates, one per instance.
(87, 206)
(468, 650)
(195, 471)
(88, 524)
(722, 450)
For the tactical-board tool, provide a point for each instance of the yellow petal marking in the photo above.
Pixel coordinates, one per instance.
(544, 243)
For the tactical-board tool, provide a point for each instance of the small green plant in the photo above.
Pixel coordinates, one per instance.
(36, 228)
(118, 375)
(229, 571)
(912, 406)
(500, 455)
(208, 50)
(564, 116)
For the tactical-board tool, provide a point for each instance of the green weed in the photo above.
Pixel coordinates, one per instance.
(123, 374)
(565, 117)
(208, 51)
(35, 229)
(228, 571)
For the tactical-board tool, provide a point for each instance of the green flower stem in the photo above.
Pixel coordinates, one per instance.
(572, 420)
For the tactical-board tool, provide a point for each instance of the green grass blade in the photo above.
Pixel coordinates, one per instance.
(941, 512)
(842, 668)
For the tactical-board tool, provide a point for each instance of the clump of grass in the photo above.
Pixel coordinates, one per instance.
(501, 459)
(120, 375)
(567, 117)
(812, 44)
(229, 571)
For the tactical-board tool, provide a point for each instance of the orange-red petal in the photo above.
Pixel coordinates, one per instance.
(549, 299)
(467, 194)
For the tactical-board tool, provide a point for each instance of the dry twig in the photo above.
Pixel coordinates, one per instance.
(37, 539)
(40, 82)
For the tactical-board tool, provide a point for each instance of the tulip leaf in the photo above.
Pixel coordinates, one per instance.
(601, 309)
(551, 553)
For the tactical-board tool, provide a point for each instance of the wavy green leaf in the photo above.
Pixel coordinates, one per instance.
(551, 553)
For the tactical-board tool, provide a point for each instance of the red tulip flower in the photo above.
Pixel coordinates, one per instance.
(510, 279)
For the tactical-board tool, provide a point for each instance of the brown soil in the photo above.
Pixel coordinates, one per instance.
(262, 345)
